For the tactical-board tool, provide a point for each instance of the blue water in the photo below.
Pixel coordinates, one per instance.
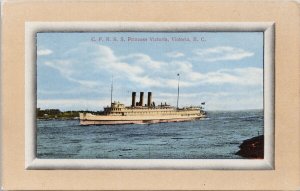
(216, 137)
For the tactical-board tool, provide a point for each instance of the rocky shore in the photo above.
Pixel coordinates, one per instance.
(252, 148)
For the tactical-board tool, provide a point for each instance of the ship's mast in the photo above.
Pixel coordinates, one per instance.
(178, 90)
(111, 90)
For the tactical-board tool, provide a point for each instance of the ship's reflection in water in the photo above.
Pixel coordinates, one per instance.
(216, 137)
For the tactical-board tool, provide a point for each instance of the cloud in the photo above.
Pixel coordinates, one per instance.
(101, 62)
(175, 54)
(92, 66)
(146, 81)
(84, 65)
(65, 67)
(97, 61)
(143, 60)
(238, 76)
(222, 53)
(44, 52)
(219, 100)
(234, 102)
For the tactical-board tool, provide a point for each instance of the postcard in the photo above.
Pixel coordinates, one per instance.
(149, 95)
(177, 95)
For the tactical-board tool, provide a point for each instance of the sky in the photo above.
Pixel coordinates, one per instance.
(223, 69)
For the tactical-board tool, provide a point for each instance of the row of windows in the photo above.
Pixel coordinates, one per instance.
(157, 113)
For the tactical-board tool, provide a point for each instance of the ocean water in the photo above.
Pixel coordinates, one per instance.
(217, 137)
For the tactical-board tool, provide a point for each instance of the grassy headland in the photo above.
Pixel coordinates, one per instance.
(57, 114)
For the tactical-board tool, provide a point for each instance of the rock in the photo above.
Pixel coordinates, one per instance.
(252, 148)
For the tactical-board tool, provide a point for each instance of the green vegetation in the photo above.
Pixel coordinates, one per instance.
(57, 114)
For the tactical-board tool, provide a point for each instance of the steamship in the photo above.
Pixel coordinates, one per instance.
(140, 113)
